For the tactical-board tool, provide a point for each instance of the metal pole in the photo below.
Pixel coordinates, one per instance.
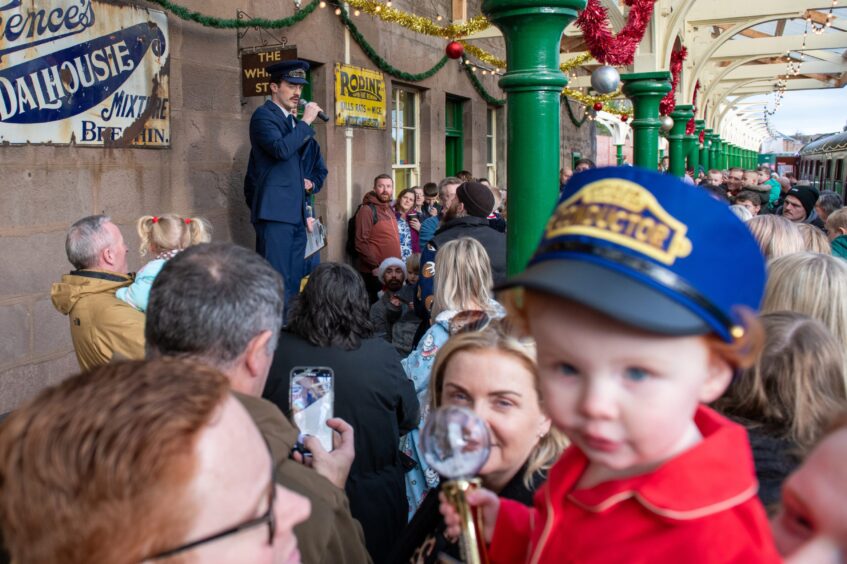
(646, 90)
(533, 84)
(676, 138)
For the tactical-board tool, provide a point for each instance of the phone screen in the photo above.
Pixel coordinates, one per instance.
(311, 399)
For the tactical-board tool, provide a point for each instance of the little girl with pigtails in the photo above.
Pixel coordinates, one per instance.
(162, 237)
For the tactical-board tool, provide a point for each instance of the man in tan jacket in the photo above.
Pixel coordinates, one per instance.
(102, 326)
(222, 305)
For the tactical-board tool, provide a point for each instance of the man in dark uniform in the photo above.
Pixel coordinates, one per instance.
(275, 186)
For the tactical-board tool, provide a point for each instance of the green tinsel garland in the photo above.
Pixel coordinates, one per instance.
(478, 86)
(234, 23)
(576, 122)
(381, 63)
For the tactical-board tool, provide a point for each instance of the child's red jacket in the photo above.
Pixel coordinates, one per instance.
(700, 507)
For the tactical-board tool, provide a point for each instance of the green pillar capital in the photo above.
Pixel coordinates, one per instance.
(646, 90)
(676, 138)
(533, 83)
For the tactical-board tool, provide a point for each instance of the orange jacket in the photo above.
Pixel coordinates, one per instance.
(378, 241)
(700, 507)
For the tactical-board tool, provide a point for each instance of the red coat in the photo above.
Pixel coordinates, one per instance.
(700, 507)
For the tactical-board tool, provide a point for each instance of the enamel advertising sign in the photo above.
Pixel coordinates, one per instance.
(83, 72)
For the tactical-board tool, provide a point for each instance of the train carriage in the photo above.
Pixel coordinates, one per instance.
(823, 162)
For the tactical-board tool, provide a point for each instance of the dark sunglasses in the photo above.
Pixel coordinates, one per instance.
(469, 320)
(266, 518)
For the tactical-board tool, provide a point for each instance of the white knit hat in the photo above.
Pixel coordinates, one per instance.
(391, 261)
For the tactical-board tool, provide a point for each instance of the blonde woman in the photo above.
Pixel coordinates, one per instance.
(495, 374)
(776, 235)
(815, 239)
(812, 284)
(787, 398)
(462, 296)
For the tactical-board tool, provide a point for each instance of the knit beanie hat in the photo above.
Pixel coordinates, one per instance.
(477, 198)
(806, 195)
(391, 261)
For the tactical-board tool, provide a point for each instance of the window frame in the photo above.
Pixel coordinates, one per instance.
(413, 169)
(491, 141)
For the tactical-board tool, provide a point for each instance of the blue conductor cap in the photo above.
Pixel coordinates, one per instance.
(650, 251)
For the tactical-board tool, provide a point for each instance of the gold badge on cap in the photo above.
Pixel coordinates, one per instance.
(624, 213)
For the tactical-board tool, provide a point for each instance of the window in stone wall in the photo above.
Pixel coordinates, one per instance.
(491, 146)
(405, 142)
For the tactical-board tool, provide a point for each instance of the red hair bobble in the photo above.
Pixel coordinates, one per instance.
(187, 220)
(155, 219)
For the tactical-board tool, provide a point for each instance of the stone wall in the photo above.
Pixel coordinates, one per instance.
(46, 188)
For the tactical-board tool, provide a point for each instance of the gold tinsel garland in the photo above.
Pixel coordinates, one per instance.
(420, 24)
(479, 23)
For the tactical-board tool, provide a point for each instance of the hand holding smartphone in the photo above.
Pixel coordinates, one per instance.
(311, 400)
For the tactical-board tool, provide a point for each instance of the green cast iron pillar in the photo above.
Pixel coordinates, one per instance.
(689, 144)
(619, 154)
(701, 147)
(533, 84)
(718, 152)
(735, 156)
(707, 150)
(713, 149)
(676, 138)
(694, 154)
(646, 90)
(725, 155)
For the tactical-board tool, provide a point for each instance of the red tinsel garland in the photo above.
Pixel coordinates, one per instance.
(668, 103)
(616, 50)
(691, 127)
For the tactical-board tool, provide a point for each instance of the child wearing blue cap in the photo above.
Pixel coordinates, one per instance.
(641, 298)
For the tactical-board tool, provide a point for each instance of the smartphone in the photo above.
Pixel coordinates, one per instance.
(311, 398)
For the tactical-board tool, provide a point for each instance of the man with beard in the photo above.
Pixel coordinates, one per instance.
(393, 314)
(377, 233)
(465, 216)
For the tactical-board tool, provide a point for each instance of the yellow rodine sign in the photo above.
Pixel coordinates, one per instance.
(359, 97)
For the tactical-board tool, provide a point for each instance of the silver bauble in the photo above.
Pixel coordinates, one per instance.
(605, 79)
(665, 123)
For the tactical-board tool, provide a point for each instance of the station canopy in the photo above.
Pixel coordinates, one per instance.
(737, 50)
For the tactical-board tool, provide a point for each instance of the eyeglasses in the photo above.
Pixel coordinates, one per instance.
(469, 320)
(268, 517)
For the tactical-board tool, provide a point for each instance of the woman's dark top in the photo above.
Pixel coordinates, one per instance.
(775, 458)
(423, 540)
(373, 394)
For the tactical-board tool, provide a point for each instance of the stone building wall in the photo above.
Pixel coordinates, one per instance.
(47, 187)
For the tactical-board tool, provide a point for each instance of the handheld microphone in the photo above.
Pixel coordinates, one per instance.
(321, 114)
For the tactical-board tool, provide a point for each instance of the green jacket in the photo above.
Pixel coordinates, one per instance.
(102, 326)
(839, 247)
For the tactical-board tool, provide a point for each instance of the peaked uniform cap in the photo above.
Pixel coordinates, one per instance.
(649, 251)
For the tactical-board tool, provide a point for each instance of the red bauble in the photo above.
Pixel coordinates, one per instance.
(454, 49)
(624, 117)
(598, 106)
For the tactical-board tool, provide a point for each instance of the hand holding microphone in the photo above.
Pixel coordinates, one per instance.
(312, 110)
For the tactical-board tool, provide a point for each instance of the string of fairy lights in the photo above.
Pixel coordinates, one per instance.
(486, 63)
(793, 65)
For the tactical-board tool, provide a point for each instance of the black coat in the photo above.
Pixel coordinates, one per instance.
(476, 228)
(373, 394)
(775, 458)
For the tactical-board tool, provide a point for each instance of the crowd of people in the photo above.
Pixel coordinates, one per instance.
(665, 381)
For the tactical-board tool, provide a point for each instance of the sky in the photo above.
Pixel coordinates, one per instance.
(809, 111)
